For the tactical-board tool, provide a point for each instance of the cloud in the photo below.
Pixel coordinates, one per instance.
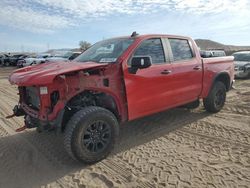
(46, 16)
(30, 20)
(212, 6)
(85, 8)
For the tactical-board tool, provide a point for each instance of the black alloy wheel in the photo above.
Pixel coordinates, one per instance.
(97, 136)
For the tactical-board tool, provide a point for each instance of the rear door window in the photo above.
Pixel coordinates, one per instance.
(181, 49)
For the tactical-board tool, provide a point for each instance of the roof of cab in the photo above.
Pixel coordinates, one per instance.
(152, 36)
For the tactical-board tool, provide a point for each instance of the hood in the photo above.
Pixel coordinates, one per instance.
(45, 73)
(241, 63)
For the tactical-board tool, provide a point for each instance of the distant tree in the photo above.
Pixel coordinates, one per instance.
(84, 45)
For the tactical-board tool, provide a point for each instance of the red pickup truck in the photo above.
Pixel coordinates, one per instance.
(118, 80)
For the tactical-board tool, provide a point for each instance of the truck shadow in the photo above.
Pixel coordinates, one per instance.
(30, 159)
(146, 129)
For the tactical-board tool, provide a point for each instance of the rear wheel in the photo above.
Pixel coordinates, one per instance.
(216, 98)
(90, 134)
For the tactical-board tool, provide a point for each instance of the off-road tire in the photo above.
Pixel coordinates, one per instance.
(77, 128)
(216, 98)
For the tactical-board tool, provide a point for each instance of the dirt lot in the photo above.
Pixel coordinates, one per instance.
(176, 148)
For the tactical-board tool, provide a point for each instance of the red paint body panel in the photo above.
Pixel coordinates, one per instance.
(214, 66)
(136, 95)
(43, 74)
(149, 92)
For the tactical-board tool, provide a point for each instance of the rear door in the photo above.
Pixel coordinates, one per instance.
(149, 90)
(186, 70)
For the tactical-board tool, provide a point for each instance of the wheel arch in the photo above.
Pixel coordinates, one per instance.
(224, 78)
(209, 82)
(93, 98)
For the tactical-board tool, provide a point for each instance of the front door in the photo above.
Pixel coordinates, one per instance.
(149, 90)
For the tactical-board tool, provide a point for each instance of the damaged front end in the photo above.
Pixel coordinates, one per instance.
(47, 98)
(36, 104)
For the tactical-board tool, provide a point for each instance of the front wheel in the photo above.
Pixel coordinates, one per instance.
(216, 98)
(90, 134)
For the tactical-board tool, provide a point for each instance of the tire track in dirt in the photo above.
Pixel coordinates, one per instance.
(107, 173)
(3, 132)
(237, 109)
(238, 103)
(205, 128)
(182, 151)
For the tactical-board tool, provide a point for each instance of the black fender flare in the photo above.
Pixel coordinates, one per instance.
(224, 77)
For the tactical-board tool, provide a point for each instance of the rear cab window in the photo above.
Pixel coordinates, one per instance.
(181, 49)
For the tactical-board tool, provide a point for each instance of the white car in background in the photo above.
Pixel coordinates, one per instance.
(66, 56)
(35, 60)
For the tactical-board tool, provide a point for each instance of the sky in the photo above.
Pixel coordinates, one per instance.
(39, 25)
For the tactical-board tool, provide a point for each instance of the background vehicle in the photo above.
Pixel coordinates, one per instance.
(212, 53)
(218, 53)
(15, 58)
(206, 54)
(67, 56)
(118, 80)
(35, 60)
(1, 57)
(21, 60)
(5, 60)
(242, 64)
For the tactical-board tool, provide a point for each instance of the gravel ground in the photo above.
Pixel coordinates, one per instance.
(176, 148)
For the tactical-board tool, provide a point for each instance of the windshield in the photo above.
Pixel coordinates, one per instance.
(106, 51)
(242, 57)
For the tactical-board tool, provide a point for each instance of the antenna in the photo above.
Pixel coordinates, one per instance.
(134, 34)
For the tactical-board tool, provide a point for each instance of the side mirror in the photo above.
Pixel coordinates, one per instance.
(140, 62)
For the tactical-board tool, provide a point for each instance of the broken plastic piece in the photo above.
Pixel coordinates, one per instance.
(21, 129)
(10, 116)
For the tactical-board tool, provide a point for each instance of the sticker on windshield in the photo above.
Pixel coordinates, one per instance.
(107, 60)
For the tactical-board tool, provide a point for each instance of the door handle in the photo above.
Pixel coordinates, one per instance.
(166, 72)
(197, 68)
